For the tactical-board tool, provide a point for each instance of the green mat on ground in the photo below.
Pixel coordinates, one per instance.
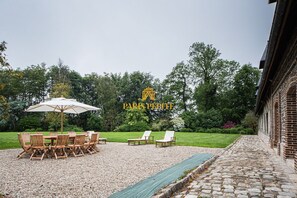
(148, 187)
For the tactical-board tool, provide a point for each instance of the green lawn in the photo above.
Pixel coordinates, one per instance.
(212, 140)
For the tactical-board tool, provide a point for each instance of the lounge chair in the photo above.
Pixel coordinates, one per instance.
(146, 138)
(24, 139)
(61, 144)
(38, 146)
(168, 140)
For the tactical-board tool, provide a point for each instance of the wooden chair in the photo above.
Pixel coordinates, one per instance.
(72, 134)
(38, 147)
(24, 138)
(77, 147)
(59, 147)
(90, 146)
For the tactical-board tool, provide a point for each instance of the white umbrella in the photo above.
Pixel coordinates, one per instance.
(61, 105)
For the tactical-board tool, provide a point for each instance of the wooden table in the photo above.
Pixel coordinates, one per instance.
(54, 137)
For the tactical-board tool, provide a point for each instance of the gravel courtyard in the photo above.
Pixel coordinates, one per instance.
(115, 167)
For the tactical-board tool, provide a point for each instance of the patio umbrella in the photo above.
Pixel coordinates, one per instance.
(61, 105)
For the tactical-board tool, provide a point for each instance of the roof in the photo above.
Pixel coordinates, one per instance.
(282, 27)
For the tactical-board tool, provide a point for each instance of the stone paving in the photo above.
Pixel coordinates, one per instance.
(248, 169)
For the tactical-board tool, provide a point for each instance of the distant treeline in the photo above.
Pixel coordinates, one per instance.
(207, 92)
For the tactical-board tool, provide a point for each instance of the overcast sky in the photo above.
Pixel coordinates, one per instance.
(129, 35)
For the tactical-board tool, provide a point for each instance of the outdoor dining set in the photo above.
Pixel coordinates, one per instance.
(58, 145)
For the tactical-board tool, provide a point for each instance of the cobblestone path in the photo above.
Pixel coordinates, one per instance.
(246, 170)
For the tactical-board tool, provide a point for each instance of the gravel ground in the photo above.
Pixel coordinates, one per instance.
(114, 168)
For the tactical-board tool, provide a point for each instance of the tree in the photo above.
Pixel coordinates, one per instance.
(3, 59)
(60, 90)
(4, 106)
(251, 121)
(107, 97)
(178, 84)
(208, 67)
(244, 90)
(34, 84)
(206, 96)
(213, 74)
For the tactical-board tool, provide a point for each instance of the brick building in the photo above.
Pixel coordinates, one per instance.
(276, 96)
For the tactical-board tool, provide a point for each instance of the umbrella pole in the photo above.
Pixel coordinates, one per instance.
(62, 113)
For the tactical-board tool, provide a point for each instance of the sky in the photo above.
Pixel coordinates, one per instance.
(131, 35)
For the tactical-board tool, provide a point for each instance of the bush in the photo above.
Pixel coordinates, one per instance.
(211, 119)
(251, 121)
(94, 122)
(191, 119)
(214, 130)
(186, 130)
(122, 128)
(178, 123)
(200, 129)
(156, 126)
(29, 123)
(139, 126)
(162, 125)
(229, 124)
(73, 128)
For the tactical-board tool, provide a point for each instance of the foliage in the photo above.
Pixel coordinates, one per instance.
(73, 128)
(229, 124)
(136, 115)
(211, 119)
(94, 123)
(186, 130)
(244, 90)
(178, 123)
(191, 119)
(196, 87)
(3, 59)
(29, 122)
(162, 125)
(251, 121)
(206, 96)
(209, 68)
(178, 84)
(136, 126)
(60, 90)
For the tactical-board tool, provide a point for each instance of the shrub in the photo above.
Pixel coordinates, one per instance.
(191, 119)
(178, 123)
(229, 124)
(122, 128)
(186, 130)
(73, 128)
(214, 130)
(29, 123)
(211, 119)
(156, 126)
(94, 122)
(162, 125)
(139, 126)
(200, 129)
(250, 121)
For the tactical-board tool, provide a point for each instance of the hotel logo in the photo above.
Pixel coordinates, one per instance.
(151, 105)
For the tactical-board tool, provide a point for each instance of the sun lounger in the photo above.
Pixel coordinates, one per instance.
(168, 140)
(146, 138)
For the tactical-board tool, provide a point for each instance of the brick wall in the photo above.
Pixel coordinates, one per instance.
(276, 132)
(291, 125)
